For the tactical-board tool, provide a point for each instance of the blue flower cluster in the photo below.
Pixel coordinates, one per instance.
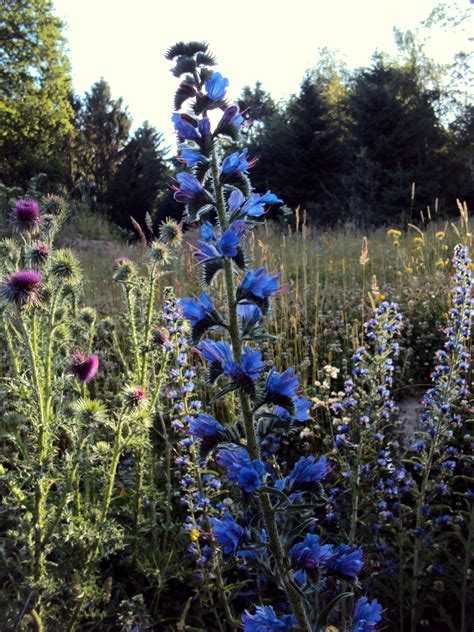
(260, 522)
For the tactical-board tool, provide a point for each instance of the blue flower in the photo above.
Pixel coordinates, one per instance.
(206, 232)
(366, 615)
(208, 429)
(240, 469)
(191, 156)
(216, 86)
(189, 190)
(229, 243)
(227, 533)
(265, 620)
(305, 475)
(249, 317)
(280, 389)
(257, 287)
(346, 560)
(254, 206)
(310, 554)
(201, 314)
(235, 164)
(221, 360)
(184, 128)
(302, 406)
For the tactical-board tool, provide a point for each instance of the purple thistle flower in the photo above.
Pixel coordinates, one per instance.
(266, 620)
(366, 615)
(22, 288)
(26, 215)
(84, 367)
(120, 261)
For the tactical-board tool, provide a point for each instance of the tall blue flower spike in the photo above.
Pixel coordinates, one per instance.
(260, 525)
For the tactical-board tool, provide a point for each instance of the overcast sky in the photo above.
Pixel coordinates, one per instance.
(273, 41)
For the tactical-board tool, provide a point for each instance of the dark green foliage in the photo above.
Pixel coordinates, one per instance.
(104, 125)
(36, 114)
(139, 178)
(396, 140)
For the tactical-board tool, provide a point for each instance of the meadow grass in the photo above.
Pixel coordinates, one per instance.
(327, 289)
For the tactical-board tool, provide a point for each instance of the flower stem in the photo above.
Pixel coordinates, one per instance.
(295, 599)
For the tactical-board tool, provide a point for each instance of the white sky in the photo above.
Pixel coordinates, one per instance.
(273, 41)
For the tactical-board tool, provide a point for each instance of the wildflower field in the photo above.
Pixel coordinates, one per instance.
(231, 423)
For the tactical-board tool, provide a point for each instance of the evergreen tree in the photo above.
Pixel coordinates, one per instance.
(141, 175)
(35, 112)
(303, 152)
(104, 131)
(396, 141)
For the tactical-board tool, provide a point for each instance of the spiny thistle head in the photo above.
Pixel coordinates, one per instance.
(84, 367)
(26, 216)
(66, 267)
(171, 233)
(125, 270)
(55, 205)
(88, 315)
(37, 255)
(159, 253)
(8, 249)
(134, 397)
(89, 411)
(22, 288)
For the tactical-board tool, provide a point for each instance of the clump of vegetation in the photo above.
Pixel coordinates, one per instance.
(162, 467)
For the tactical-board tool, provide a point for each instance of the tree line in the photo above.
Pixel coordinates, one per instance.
(374, 144)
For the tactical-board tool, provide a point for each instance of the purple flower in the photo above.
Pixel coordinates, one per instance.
(230, 122)
(240, 469)
(265, 620)
(190, 190)
(216, 86)
(310, 554)
(22, 288)
(346, 560)
(366, 615)
(206, 232)
(84, 367)
(227, 533)
(201, 313)
(26, 215)
(229, 243)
